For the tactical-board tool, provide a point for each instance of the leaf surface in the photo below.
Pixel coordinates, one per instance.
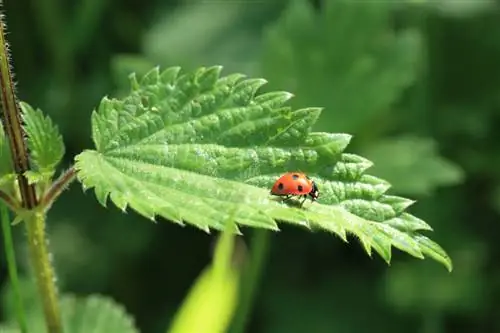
(193, 147)
(45, 143)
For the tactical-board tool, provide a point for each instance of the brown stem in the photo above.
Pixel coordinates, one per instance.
(12, 121)
(57, 187)
(35, 223)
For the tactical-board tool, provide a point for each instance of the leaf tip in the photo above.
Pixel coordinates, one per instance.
(134, 83)
(286, 94)
(343, 236)
(448, 264)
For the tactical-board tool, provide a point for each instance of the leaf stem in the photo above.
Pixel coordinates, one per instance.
(35, 226)
(11, 264)
(57, 187)
(259, 248)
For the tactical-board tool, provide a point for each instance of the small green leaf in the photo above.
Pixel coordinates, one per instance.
(44, 140)
(417, 157)
(7, 175)
(36, 177)
(193, 147)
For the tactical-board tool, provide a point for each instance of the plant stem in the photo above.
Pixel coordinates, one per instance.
(11, 264)
(13, 128)
(35, 221)
(259, 248)
(57, 187)
(35, 225)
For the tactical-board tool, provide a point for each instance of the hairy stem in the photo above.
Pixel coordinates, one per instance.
(12, 121)
(35, 222)
(11, 264)
(35, 225)
(259, 248)
(57, 187)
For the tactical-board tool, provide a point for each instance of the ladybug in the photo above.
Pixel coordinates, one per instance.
(295, 184)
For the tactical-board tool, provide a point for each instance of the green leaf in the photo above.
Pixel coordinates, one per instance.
(44, 141)
(7, 174)
(345, 57)
(212, 300)
(417, 157)
(193, 147)
(94, 313)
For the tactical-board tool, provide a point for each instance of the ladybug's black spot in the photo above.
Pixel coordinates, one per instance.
(295, 176)
(300, 188)
(280, 186)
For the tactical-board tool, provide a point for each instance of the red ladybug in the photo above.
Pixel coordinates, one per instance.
(295, 184)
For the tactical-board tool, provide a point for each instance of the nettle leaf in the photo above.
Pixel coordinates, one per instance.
(97, 314)
(94, 313)
(193, 147)
(416, 156)
(345, 57)
(44, 142)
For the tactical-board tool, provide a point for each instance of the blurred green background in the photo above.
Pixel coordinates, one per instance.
(416, 82)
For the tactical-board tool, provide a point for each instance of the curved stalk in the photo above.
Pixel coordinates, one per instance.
(57, 187)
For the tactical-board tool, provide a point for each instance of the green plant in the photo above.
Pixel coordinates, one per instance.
(204, 139)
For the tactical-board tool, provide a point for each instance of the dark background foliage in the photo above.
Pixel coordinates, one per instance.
(416, 82)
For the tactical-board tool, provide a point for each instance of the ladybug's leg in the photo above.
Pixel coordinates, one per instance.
(305, 198)
(287, 197)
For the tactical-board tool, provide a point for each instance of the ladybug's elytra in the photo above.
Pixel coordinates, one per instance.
(295, 184)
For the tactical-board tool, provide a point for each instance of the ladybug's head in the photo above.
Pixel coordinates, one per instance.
(314, 194)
